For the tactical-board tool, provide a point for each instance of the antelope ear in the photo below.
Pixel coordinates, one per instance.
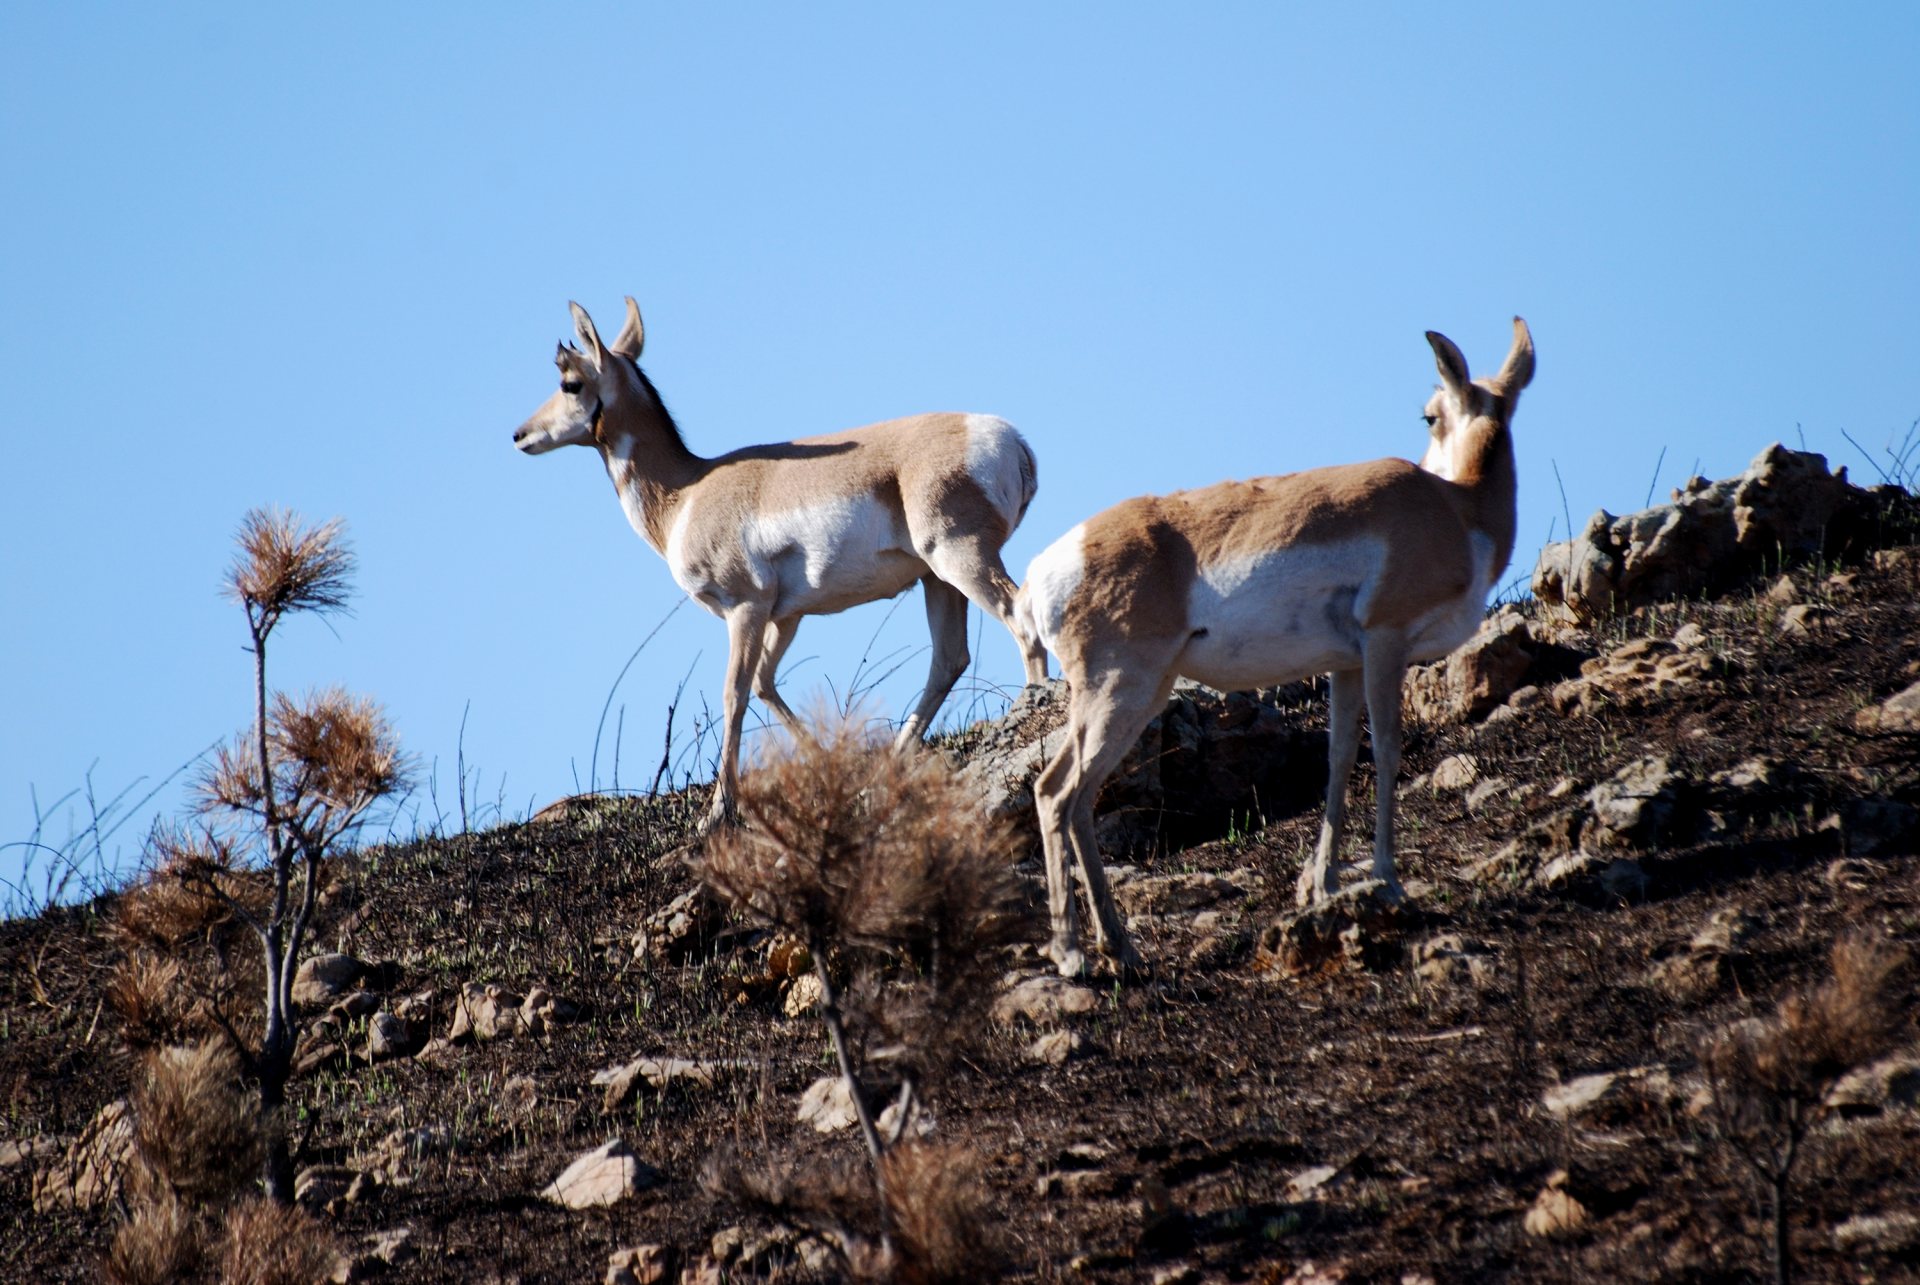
(590, 346)
(1452, 363)
(1517, 373)
(633, 335)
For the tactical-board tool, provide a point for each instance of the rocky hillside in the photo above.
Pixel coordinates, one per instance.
(1632, 821)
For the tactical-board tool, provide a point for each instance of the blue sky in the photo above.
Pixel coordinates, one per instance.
(319, 257)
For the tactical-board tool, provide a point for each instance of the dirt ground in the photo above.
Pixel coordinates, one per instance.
(1192, 1138)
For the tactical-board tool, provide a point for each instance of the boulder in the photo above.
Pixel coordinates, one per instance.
(322, 977)
(640, 1265)
(89, 1173)
(1898, 714)
(1359, 925)
(1043, 999)
(622, 1082)
(1478, 676)
(603, 1176)
(1638, 807)
(1208, 762)
(1787, 503)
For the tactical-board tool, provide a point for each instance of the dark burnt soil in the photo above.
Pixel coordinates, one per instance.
(1205, 1091)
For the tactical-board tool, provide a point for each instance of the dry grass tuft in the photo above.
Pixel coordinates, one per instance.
(942, 1230)
(176, 903)
(269, 1244)
(195, 1127)
(1768, 1069)
(1770, 1076)
(157, 1245)
(153, 997)
(281, 567)
(890, 855)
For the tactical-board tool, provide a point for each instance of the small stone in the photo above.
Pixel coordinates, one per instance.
(388, 1036)
(321, 977)
(827, 1105)
(1555, 1212)
(1308, 1181)
(89, 1173)
(1690, 636)
(1783, 590)
(603, 1176)
(1045, 998)
(1851, 874)
(317, 1186)
(1485, 791)
(622, 1081)
(804, 994)
(1056, 1048)
(1577, 1094)
(889, 1121)
(1894, 1232)
(1897, 713)
(1725, 931)
(1173, 894)
(485, 1013)
(1455, 772)
(640, 1265)
(1890, 1084)
(1805, 619)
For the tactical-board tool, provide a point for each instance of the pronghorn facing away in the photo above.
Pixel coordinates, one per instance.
(1355, 570)
(765, 535)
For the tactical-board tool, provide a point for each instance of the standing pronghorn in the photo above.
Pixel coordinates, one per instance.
(765, 535)
(1355, 570)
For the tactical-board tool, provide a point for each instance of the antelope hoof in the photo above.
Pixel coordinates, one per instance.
(1071, 964)
(1130, 965)
(1313, 889)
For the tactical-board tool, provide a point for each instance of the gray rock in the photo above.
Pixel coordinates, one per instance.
(1044, 999)
(1786, 502)
(322, 977)
(603, 1176)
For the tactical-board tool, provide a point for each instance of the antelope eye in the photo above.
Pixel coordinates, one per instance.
(571, 387)
(1431, 420)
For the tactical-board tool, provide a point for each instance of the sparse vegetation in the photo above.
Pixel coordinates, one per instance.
(1387, 1115)
(886, 869)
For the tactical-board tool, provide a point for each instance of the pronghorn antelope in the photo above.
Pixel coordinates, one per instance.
(765, 535)
(1355, 571)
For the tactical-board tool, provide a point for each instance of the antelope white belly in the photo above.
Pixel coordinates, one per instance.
(829, 556)
(1273, 617)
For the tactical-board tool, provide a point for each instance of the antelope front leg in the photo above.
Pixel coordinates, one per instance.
(947, 623)
(1386, 653)
(1346, 694)
(746, 631)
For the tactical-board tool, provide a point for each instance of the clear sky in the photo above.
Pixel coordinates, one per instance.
(318, 256)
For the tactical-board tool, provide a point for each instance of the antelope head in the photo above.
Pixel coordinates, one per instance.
(593, 378)
(1465, 416)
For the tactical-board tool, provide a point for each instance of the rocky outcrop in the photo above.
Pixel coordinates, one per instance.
(1786, 505)
(1209, 761)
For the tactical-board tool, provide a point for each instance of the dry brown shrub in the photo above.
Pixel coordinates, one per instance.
(1766, 1070)
(269, 1244)
(165, 913)
(196, 1128)
(333, 754)
(886, 855)
(1770, 1076)
(942, 1229)
(154, 1000)
(158, 1244)
(281, 568)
